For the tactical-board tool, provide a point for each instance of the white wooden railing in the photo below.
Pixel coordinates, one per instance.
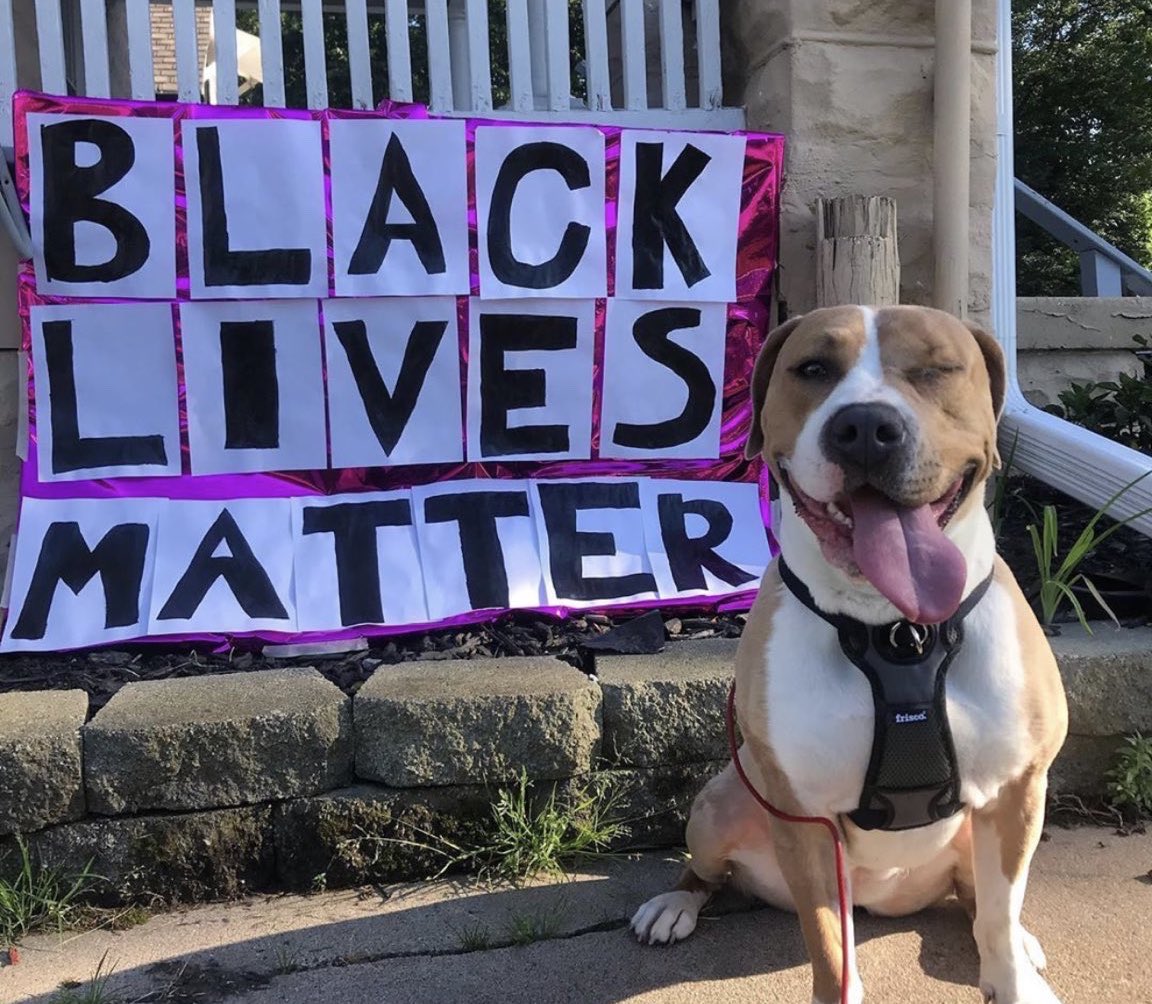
(75, 50)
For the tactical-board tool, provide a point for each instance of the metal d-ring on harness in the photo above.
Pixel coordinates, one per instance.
(912, 778)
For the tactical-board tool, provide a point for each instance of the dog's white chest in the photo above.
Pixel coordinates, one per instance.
(821, 713)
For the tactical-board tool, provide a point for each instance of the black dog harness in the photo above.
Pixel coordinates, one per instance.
(912, 778)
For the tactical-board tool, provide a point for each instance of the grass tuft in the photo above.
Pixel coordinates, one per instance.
(38, 898)
(1130, 780)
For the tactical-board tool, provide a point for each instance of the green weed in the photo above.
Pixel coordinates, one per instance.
(39, 898)
(1130, 780)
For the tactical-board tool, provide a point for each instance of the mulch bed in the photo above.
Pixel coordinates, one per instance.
(1122, 568)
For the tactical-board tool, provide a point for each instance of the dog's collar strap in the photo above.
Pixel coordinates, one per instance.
(912, 778)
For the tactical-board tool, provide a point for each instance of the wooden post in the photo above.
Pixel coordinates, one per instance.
(857, 254)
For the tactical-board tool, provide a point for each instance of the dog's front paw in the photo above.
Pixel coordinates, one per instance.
(1034, 952)
(667, 918)
(1030, 988)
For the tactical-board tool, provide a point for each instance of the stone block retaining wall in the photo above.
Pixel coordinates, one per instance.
(214, 786)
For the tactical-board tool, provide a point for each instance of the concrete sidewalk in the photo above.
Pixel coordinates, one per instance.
(1090, 903)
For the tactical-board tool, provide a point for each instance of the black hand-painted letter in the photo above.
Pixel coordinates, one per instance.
(70, 197)
(689, 556)
(251, 387)
(397, 178)
(65, 557)
(652, 333)
(503, 390)
(353, 527)
(70, 450)
(476, 512)
(560, 503)
(655, 221)
(389, 411)
(222, 265)
(517, 165)
(240, 568)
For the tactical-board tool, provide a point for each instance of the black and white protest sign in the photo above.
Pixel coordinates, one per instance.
(82, 573)
(399, 207)
(255, 385)
(592, 542)
(480, 537)
(530, 379)
(393, 381)
(663, 379)
(223, 567)
(704, 537)
(101, 205)
(678, 216)
(540, 211)
(364, 545)
(106, 391)
(256, 216)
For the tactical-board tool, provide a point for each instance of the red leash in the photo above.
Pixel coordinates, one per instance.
(841, 877)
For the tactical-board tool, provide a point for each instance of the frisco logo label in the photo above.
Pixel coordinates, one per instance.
(903, 718)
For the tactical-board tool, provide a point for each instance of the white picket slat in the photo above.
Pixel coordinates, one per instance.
(187, 53)
(708, 53)
(271, 53)
(672, 56)
(359, 53)
(634, 54)
(596, 75)
(439, 55)
(141, 75)
(227, 88)
(315, 61)
(479, 59)
(559, 70)
(7, 74)
(50, 35)
(519, 56)
(399, 50)
(94, 35)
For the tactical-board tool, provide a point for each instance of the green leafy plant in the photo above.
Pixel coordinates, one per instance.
(1057, 576)
(998, 504)
(474, 937)
(525, 928)
(531, 837)
(36, 898)
(1120, 409)
(93, 991)
(1130, 780)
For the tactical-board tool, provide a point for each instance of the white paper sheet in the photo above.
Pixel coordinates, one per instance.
(574, 574)
(123, 374)
(63, 619)
(685, 559)
(563, 383)
(298, 410)
(542, 209)
(436, 155)
(650, 397)
(261, 563)
(325, 600)
(433, 433)
(457, 583)
(146, 191)
(709, 209)
(273, 182)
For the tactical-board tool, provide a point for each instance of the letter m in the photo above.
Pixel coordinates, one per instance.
(66, 557)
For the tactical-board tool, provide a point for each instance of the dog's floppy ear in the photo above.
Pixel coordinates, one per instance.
(761, 375)
(994, 362)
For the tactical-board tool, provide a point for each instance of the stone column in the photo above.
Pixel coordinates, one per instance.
(850, 85)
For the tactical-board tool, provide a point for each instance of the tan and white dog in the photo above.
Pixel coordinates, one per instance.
(880, 426)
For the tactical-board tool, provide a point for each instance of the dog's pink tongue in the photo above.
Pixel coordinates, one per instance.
(905, 555)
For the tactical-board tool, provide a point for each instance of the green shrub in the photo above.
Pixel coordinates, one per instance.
(1130, 780)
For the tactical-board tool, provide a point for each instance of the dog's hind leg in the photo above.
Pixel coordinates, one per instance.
(711, 838)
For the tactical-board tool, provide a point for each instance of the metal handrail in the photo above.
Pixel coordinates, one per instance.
(1105, 270)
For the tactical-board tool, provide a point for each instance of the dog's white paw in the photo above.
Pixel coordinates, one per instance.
(1029, 989)
(667, 918)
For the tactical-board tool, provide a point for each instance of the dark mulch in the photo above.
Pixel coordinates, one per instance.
(104, 672)
(1122, 568)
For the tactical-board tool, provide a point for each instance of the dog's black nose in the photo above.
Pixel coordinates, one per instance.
(866, 438)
